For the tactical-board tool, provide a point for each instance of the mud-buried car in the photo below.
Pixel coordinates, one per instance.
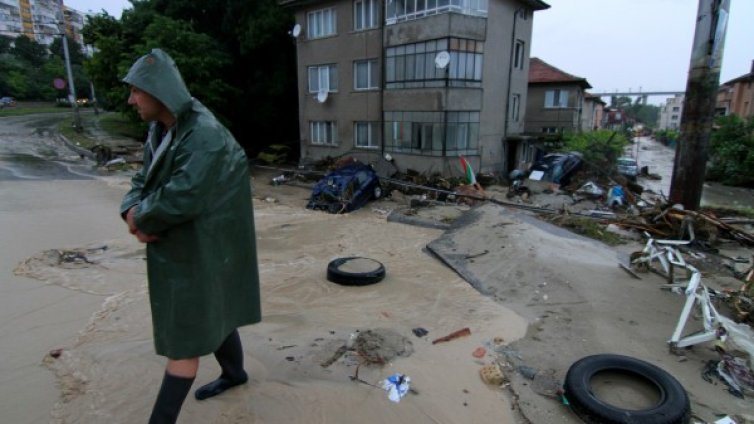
(346, 189)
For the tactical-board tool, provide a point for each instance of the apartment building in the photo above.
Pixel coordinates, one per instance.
(670, 113)
(419, 81)
(40, 20)
(737, 96)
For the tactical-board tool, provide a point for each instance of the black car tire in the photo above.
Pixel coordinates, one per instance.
(377, 192)
(355, 271)
(673, 406)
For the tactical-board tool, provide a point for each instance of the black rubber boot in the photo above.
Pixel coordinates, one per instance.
(230, 358)
(170, 399)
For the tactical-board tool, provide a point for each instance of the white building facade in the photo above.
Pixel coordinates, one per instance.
(670, 113)
(40, 20)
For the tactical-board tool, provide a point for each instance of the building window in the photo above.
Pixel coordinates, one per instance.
(365, 74)
(515, 107)
(320, 23)
(405, 10)
(413, 65)
(323, 132)
(674, 118)
(432, 133)
(365, 135)
(676, 109)
(550, 130)
(518, 55)
(556, 98)
(323, 78)
(365, 14)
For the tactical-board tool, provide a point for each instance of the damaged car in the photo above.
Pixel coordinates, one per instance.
(558, 167)
(346, 189)
(628, 168)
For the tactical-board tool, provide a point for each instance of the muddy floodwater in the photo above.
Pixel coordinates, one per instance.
(659, 158)
(75, 329)
(75, 326)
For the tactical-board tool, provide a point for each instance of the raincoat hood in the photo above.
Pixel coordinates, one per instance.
(157, 74)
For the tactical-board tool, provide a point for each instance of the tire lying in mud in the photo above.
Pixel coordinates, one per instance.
(672, 402)
(355, 271)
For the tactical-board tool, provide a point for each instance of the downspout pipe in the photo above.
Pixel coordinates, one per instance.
(510, 78)
(383, 79)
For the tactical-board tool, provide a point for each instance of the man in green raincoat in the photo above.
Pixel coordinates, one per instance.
(191, 205)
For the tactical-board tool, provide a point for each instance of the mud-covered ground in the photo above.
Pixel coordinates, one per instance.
(76, 336)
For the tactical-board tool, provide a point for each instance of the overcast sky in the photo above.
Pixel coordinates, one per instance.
(614, 44)
(628, 44)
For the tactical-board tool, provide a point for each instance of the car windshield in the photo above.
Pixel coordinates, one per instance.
(626, 162)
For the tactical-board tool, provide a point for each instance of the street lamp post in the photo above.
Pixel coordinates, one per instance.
(71, 87)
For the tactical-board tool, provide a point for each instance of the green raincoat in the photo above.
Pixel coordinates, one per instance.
(193, 193)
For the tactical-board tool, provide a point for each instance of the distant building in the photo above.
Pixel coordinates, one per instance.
(737, 96)
(670, 113)
(615, 119)
(555, 100)
(40, 20)
(591, 114)
(422, 81)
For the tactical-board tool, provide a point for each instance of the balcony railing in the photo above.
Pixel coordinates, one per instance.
(406, 10)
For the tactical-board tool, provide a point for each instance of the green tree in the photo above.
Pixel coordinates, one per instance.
(233, 54)
(74, 50)
(204, 72)
(732, 152)
(5, 44)
(29, 50)
(18, 83)
(600, 149)
(646, 114)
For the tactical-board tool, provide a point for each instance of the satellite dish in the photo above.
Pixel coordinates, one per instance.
(442, 59)
(322, 96)
(296, 31)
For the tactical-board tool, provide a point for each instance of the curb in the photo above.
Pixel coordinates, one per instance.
(79, 150)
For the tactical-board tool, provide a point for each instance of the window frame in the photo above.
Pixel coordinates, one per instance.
(519, 50)
(555, 101)
(412, 65)
(373, 136)
(515, 107)
(436, 133)
(317, 30)
(323, 128)
(373, 82)
(332, 77)
(370, 15)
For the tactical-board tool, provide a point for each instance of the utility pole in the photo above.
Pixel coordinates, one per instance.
(94, 98)
(72, 88)
(699, 106)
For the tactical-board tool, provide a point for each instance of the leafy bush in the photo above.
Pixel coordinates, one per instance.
(600, 148)
(667, 136)
(732, 152)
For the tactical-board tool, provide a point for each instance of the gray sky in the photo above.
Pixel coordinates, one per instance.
(614, 44)
(627, 44)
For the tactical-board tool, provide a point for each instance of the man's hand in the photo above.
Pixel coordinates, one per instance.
(141, 236)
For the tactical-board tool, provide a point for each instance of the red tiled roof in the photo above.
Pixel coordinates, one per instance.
(542, 72)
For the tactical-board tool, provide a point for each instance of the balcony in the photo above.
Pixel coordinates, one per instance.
(406, 10)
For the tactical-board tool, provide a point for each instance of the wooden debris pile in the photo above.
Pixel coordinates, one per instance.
(673, 223)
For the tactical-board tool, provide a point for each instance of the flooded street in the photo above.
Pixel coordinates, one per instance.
(49, 200)
(659, 158)
(550, 307)
(29, 150)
